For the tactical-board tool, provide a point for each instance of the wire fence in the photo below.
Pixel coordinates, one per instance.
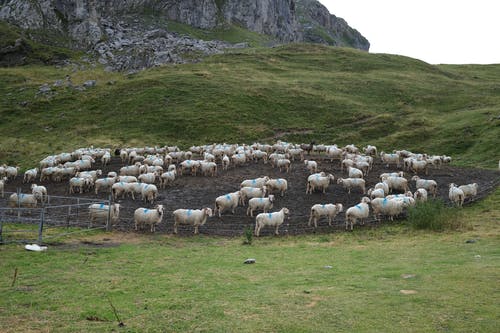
(56, 217)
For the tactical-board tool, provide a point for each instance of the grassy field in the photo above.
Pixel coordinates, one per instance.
(389, 279)
(294, 92)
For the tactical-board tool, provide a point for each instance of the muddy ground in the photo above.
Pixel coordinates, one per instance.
(198, 191)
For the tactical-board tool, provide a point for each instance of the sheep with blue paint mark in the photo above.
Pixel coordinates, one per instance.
(227, 201)
(271, 219)
(40, 192)
(429, 185)
(264, 204)
(252, 192)
(357, 212)
(149, 193)
(194, 217)
(318, 182)
(388, 207)
(152, 217)
(23, 200)
(321, 210)
(102, 211)
(257, 182)
(278, 185)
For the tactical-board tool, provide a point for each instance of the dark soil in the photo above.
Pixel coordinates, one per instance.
(198, 191)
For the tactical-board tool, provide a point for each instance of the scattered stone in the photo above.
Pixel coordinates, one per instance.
(44, 89)
(102, 61)
(408, 292)
(408, 276)
(111, 82)
(80, 88)
(24, 103)
(470, 241)
(89, 83)
(249, 261)
(477, 256)
(58, 83)
(328, 267)
(307, 291)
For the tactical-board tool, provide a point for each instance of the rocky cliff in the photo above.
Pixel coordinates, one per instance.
(120, 36)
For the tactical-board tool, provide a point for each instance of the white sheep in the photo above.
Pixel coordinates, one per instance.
(383, 186)
(148, 216)
(328, 210)
(279, 185)
(194, 217)
(225, 162)
(270, 219)
(123, 155)
(121, 189)
(148, 178)
(334, 153)
(23, 200)
(428, 184)
(391, 174)
(106, 158)
(239, 159)
(191, 165)
(470, 190)
(102, 211)
(456, 195)
(370, 150)
(389, 207)
(311, 166)
(318, 182)
(104, 184)
(252, 192)
(227, 201)
(376, 193)
(208, 168)
(127, 179)
(418, 166)
(359, 211)
(30, 175)
(420, 195)
(284, 163)
(2, 186)
(390, 159)
(79, 184)
(260, 203)
(167, 178)
(112, 174)
(354, 172)
(350, 183)
(257, 182)
(40, 192)
(149, 193)
(346, 163)
(396, 183)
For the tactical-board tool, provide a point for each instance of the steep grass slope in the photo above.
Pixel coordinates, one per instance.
(296, 92)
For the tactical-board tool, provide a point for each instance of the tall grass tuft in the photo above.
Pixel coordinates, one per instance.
(248, 236)
(434, 215)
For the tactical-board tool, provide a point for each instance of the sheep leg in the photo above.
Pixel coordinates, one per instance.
(276, 231)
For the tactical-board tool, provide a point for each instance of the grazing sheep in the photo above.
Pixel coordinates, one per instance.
(376, 193)
(102, 211)
(132, 170)
(391, 174)
(239, 159)
(260, 203)
(418, 166)
(359, 211)
(23, 200)
(271, 219)
(257, 182)
(351, 149)
(364, 166)
(127, 179)
(420, 195)
(470, 190)
(329, 210)
(334, 153)
(429, 184)
(123, 155)
(252, 192)
(350, 183)
(382, 186)
(106, 158)
(225, 162)
(2, 186)
(148, 216)
(112, 174)
(296, 153)
(279, 185)
(104, 184)
(456, 195)
(346, 163)
(30, 175)
(194, 217)
(79, 184)
(191, 165)
(149, 193)
(89, 174)
(227, 201)
(148, 178)
(319, 182)
(396, 183)
(354, 172)
(389, 207)
(284, 163)
(370, 150)
(121, 189)
(312, 166)
(208, 168)
(390, 159)
(40, 192)
(167, 177)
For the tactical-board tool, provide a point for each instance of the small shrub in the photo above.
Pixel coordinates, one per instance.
(434, 215)
(248, 236)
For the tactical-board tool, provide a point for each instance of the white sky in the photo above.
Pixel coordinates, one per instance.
(435, 31)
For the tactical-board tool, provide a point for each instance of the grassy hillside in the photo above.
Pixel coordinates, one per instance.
(387, 279)
(299, 92)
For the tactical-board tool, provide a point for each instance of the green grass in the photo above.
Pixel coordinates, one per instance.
(169, 284)
(331, 95)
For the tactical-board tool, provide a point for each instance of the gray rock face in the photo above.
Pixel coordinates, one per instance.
(322, 27)
(122, 39)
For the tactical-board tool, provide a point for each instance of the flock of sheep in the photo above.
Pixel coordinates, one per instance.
(146, 169)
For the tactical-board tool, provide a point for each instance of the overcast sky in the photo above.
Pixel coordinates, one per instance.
(435, 31)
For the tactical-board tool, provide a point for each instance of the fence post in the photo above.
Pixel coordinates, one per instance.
(40, 227)
(68, 217)
(108, 224)
(18, 204)
(77, 207)
(1, 227)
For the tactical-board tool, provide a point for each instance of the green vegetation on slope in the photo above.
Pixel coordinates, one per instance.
(300, 91)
